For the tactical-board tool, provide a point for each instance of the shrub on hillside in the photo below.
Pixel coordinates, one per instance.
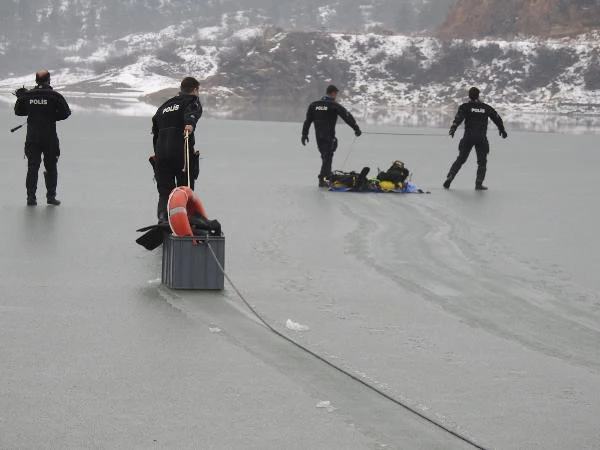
(547, 65)
(168, 53)
(453, 61)
(114, 62)
(592, 75)
(403, 67)
(486, 54)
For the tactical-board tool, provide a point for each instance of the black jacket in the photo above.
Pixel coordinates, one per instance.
(324, 114)
(476, 115)
(168, 124)
(43, 107)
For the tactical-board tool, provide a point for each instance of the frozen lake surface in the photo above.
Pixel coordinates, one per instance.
(480, 310)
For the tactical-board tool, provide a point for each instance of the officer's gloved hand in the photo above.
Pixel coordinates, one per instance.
(357, 132)
(504, 134)
(19, 92)
(452, 131)
(304, 140)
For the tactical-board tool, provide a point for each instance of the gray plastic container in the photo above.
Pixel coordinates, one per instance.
(189, 266)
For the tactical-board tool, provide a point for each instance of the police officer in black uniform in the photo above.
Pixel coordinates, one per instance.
(176, 117)
(475, 114)
(43, 107)
(324, 114)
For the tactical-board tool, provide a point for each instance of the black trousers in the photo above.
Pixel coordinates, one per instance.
(482, 148)
(327, 148)
(169, 174)
(34, 153)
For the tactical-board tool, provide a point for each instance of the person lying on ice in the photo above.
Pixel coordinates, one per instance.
(324, 114)
(475, 113)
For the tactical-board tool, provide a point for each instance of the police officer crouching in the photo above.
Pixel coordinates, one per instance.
(324, 114)
(173, 119)
(43, 107)
(475, 114)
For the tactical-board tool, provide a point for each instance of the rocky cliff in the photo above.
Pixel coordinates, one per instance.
(507, 18)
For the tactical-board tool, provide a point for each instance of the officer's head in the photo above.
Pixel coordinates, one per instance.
(332, 91)
(190, 86)
(474, 93)
(42, 77)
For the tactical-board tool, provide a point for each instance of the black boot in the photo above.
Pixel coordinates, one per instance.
(31, 185)
(323, 181)
(161, 209)
(448, 181)
(481, 170)
(52, 200)
(51, 180)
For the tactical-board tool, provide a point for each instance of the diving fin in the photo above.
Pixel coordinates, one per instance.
(162, 225)
(361, 181)
(154, 236)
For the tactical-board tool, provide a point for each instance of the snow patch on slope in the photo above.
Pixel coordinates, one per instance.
(386, 76)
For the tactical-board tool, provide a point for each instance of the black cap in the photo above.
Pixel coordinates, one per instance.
(331, 89)
(473, 93)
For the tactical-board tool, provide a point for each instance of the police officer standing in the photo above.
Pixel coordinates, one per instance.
(324, 114)
(173, 120)
(43, 107)
(475, 114)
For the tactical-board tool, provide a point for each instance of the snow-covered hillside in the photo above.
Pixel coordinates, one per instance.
(531, 75)
(245, 69)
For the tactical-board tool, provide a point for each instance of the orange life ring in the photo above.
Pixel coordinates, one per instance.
(183, 203)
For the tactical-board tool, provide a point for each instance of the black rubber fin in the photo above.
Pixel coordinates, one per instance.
(153, 237)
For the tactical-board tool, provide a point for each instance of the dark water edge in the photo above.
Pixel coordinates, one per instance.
(429, 118)
(288, 111)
